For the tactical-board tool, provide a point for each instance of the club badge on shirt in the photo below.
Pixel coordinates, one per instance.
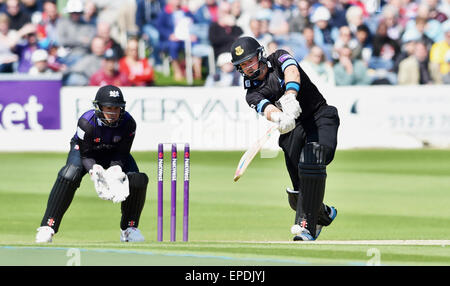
(251, 83)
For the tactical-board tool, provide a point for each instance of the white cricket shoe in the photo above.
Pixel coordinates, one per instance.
(131, 234)
(44, 234)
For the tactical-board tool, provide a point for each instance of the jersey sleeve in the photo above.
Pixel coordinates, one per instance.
(257, 101)
(85, 135)
(281, 59)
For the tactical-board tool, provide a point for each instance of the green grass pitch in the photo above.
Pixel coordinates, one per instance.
(392, 210)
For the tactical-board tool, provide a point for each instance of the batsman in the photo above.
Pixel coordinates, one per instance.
(279, 89)
(101, 147)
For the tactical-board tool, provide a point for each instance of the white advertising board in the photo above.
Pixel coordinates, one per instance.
(209, 119)
(220, 119)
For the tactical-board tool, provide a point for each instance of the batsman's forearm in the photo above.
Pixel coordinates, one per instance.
(291, 73)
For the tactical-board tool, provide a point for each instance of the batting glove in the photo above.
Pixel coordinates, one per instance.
(285, 122)
(290, 105)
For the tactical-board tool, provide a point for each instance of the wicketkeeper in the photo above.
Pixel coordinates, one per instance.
(101, 147)
(278, 88)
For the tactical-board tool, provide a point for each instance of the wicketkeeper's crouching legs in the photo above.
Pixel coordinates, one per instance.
(133, 205)
(61, 195)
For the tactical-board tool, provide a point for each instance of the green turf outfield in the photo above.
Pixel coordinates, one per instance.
(392, 210)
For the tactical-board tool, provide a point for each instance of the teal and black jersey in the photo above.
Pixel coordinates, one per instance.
(309, 145)
(261, 93)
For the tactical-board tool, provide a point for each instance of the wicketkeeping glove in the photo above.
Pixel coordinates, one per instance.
(97, 174)
(290, 105)
(118, 183)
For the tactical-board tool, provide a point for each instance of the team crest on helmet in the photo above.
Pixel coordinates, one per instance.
(113, 93)
(238, 51)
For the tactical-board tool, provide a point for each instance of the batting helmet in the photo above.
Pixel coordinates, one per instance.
(244, 49)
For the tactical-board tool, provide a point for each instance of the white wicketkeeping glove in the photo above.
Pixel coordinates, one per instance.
(285, 122)
(97, 174)
(290, 105)
(118, 183)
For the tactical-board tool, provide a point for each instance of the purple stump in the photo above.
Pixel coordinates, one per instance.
(173, 213)
(187, 170)
(160, 191)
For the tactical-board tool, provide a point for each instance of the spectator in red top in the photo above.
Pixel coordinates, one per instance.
(109, 73)
(46, 28)
(139, 71)
(348, 3)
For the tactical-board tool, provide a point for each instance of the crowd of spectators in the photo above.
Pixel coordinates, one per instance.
(124, 42)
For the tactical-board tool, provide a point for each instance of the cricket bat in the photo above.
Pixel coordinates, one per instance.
(248, 156)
